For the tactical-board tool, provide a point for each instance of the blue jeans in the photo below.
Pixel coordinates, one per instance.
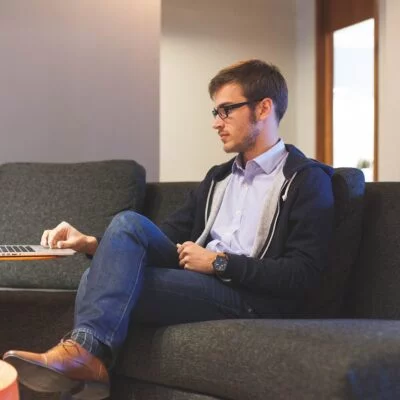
(135, 276)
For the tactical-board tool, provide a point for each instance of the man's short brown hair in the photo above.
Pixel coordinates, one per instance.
(258, 80)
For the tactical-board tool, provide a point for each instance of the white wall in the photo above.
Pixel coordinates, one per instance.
(198, 39)
(389, 91)
(80, 81)
(305, 99)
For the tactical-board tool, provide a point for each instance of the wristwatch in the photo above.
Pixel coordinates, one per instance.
(220, 263)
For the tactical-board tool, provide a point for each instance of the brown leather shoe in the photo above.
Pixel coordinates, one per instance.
(67, 367)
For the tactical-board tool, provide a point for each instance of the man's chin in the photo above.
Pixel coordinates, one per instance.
(230, 149)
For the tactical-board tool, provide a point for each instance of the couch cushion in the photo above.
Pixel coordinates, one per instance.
(162, 199)
(264, 359)
(326, 301)
(375, 285)
(38, 196)
(130, 389)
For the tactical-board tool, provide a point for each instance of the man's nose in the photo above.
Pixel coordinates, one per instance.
(218, 122)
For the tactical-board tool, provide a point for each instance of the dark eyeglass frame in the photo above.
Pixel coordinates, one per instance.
(224, 111)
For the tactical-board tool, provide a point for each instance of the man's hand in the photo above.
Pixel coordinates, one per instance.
(196, 258)
(65, 236)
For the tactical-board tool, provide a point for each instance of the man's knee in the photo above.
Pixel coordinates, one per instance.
(126, 220)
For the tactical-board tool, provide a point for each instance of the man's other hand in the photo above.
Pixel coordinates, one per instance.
(196, 258)
(65, 236)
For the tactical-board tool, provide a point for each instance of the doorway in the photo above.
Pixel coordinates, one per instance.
(347, 70)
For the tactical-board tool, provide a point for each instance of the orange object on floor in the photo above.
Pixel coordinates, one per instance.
(8, 382)
(27, 258)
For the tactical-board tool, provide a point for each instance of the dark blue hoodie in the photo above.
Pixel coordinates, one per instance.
(296, 247)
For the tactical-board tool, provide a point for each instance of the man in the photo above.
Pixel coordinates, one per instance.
(248, 243)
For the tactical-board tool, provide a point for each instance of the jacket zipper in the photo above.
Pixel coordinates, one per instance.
(282, 196)
(207, 211)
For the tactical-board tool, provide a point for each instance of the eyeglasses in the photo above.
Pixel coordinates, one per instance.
(224, 111)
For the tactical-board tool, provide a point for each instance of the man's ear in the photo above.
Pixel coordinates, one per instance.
(265, 108)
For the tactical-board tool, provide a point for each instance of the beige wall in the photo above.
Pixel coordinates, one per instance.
(197, 42)
(305, 98)
(198, 39)
(389, 91)
(80, 81)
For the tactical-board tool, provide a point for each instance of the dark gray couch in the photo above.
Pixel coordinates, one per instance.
(346, 345)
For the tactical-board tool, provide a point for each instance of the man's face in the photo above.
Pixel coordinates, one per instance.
(238, 131)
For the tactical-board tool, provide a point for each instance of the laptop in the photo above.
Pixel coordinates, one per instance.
(23, 250)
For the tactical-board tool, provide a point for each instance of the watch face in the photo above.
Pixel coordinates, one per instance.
(220, 263)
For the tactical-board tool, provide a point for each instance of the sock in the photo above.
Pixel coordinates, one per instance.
(92, 345)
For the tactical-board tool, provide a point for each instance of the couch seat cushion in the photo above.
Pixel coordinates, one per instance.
(264, 359)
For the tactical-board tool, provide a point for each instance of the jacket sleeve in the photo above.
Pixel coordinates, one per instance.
(305, 252)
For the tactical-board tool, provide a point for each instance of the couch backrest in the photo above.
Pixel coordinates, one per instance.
(162, 199)
(37, 196)
(374, 291)
(326, 301)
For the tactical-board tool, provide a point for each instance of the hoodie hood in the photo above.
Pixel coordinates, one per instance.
(297, 161)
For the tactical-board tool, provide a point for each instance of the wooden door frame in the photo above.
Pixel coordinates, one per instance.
(324, 86)
(324, 42)
(376, 90)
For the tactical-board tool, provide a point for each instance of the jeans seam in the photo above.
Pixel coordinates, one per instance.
(129, 300)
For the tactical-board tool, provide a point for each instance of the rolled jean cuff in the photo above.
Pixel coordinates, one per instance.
(90, 331)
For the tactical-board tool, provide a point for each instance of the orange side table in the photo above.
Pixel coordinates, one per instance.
(8, 382)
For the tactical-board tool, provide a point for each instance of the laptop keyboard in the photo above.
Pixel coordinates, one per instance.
(15, 248)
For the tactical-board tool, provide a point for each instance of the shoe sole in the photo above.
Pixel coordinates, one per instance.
(42, 379)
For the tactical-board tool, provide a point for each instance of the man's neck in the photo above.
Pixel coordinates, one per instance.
(256, 151)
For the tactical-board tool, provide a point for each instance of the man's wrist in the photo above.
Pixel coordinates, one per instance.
(220, 263)
(91, 245)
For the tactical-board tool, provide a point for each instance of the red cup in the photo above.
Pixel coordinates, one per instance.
(8, 382)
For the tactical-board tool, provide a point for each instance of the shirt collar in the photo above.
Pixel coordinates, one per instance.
(267, 161)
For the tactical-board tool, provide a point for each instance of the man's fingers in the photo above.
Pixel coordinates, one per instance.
(65, 244)
(54, 236)
(181, 247)
(50, 239)
(184, 261)
(44, 239)
(185, 244)
(184, 254)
